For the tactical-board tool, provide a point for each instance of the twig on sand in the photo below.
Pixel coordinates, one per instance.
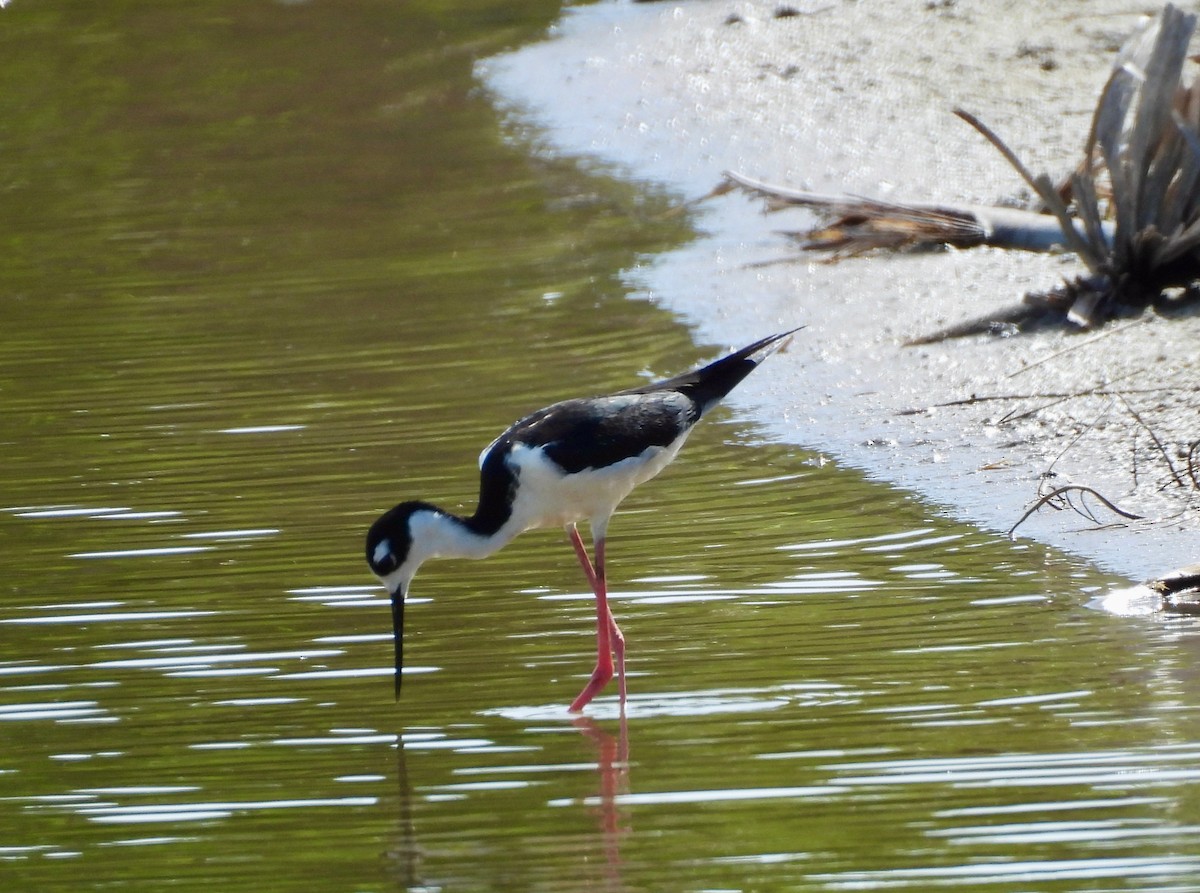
(1015, 416)
(1060, 497)
(1078, 437)
(1191, 464)
(1056, 396)
(1157, 442)
(1081, 509)
(1066, 350)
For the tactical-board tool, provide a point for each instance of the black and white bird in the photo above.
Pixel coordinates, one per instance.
(570, 462)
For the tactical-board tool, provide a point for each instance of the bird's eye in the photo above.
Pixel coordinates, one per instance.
(383, 559)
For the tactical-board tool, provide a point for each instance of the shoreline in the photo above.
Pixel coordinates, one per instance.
(857, 98)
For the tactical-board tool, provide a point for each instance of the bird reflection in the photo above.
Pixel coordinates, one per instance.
(405, 854)
(611, 755)
(612, 765)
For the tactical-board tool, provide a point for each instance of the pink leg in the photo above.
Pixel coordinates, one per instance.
(616, 639)
(608, 634)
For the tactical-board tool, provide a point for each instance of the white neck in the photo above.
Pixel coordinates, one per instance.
(442, 535)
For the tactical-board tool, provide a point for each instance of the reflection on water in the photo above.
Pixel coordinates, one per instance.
(271, 269)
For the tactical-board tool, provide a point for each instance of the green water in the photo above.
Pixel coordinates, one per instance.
(269, 268)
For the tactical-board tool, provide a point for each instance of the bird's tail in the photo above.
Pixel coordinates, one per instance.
(709, 384)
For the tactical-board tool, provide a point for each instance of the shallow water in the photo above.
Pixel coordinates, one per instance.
(271, 268)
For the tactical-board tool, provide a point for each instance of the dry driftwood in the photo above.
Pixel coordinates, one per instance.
(1130, 211)
(866, 224)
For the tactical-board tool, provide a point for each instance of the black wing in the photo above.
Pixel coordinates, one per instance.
(595, 433)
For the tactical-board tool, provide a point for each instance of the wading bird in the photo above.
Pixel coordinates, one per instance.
(570, 462)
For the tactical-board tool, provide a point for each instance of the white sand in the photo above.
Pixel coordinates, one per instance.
(857, 97)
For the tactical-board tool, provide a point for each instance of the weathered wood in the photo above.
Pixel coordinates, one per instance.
(1130, 211)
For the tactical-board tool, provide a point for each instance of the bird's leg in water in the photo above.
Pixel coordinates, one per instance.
(617, 641)
(609, 639)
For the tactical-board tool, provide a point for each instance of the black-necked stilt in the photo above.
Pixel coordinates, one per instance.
(570, 462)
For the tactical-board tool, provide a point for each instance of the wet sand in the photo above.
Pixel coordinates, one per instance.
(841, 96)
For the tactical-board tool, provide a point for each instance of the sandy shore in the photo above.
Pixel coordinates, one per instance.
(856, 97)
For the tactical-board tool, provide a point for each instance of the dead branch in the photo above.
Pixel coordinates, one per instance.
(859, 224)
(1130, 210)
(1045, 190)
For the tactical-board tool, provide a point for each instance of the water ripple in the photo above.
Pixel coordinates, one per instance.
(1141, 768)
(1012, 872)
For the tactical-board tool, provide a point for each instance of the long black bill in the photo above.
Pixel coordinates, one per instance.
(398, 633)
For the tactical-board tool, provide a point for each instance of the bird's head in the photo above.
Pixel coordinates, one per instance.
(390, 546)
(393, 559)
